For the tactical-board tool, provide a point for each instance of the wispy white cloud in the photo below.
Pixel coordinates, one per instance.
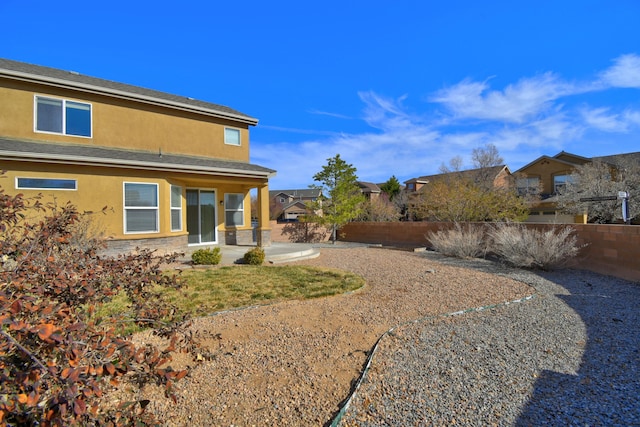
(301, 131)
(602, 119)
(625, 72)
(516, 103)
(532, 116)
(385, 113)
(632, 117)
(330, 114)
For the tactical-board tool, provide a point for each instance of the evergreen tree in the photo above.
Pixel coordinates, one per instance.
(341, 199)
(391, 187)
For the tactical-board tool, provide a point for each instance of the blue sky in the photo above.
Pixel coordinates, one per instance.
(396, 88)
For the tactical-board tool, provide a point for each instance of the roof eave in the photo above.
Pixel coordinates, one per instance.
(65, 84)
(130, 164)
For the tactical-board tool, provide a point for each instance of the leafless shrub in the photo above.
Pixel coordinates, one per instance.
(462, 242)
(529, 248)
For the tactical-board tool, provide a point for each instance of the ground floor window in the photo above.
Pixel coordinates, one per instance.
(140, 208)
(234, 209)
(46, 184)
(528, 185)
(176, 208)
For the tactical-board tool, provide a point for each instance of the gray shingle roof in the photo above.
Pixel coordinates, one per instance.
(54, 76)
(369, 187)
(491, 172)
(19, 150)
(305, 192)
(617, 158)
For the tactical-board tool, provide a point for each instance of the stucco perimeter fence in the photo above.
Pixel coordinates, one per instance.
(610, 249)
(279, 233)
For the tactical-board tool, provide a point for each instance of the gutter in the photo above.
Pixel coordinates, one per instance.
(131, 164)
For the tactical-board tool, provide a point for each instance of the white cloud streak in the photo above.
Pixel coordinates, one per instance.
(625, 73)
(602, 119)
(516, 104)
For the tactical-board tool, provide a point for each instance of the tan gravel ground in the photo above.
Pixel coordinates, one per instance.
(294, 363)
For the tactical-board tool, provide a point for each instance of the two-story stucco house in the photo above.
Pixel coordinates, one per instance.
(546, 175)
(174, 171)
(289, 205)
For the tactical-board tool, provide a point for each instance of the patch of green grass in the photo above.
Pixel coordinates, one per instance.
(208, 291)
(119, 306)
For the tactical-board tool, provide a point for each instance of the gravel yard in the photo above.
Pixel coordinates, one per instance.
(570, 356)
(540, 361)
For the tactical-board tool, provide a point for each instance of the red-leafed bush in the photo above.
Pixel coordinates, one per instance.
(56, 358)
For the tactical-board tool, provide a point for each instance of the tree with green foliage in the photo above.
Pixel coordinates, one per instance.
(391, 188)
(341, 199)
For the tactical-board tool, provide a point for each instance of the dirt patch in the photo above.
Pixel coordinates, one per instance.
(293, 363)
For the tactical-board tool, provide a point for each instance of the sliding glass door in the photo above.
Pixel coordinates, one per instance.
(201, 216)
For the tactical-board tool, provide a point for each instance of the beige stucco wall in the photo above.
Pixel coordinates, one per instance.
(545, 170)
(99, 187)
(123, 124)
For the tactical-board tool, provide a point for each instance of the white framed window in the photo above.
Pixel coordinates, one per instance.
(232, 136)
(176, 208)
(140, 208)
(46, 184)
(53, 115)
(234, 209)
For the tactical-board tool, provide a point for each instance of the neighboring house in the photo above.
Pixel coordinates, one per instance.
(492, 177)
(173, 170)
(546, 175)
(369, 189)
(289, 205)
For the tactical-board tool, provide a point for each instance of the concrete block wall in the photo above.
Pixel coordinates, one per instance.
(611, 249)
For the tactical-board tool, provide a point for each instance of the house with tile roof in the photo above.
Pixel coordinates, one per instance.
(173, 170)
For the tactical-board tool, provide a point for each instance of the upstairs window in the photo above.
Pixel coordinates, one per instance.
(232, 136)
(528, 186)
(64, 117)
(560, 182)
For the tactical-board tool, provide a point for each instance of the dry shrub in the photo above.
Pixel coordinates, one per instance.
(462, 242)
(57, 359)
(529, 248)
